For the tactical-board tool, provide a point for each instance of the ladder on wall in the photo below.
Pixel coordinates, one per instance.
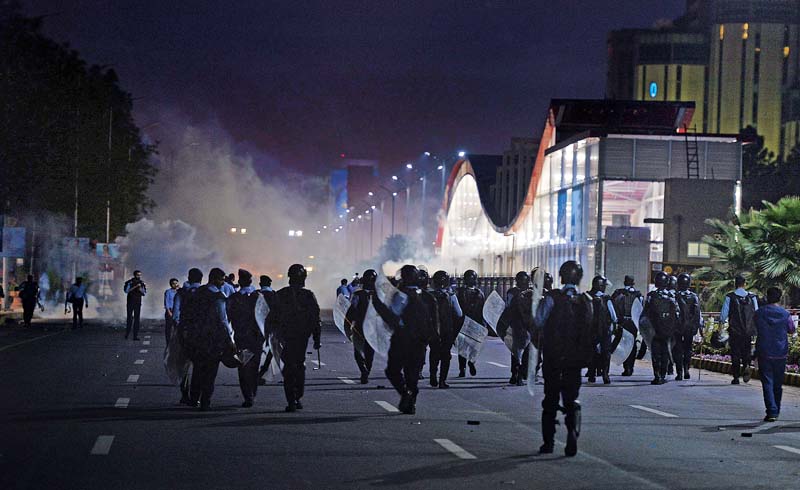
(692, 154)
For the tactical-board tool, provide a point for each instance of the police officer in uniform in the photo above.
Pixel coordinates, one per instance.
(691, 323)
(623, 300)
(516, 316)
(410, 322)
(183, 298)
(564, 317)
(354, 320)
(449, 315)
(471, 300)
(663, 312)
(605, 318)
(294, 317)
(265, 288)
(739, 310)
(246, 334)
(423, 283)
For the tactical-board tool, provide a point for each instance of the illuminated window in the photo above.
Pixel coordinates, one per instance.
(721, 32)
(698, 250)
(745, 29)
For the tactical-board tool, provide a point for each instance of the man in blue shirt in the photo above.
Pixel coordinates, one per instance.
(343, 289)
(169, 306)
(135, 289)
(182, 302)
(772, 347)
(76, 296)
(738, 310)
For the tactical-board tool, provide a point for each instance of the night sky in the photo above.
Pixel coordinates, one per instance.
(303, 81)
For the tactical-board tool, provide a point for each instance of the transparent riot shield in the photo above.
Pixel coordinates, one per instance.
(339, 315)
(538, 289)
(492, 309)
(176, 362)
(275, 371)
(533, 358)
(470, 339)
(376, 332)
(625, 342)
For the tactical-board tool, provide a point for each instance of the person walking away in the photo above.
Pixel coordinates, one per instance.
(564, 318)
(691, 324)
(471, 300)
(29, 294)
(135, 289)
(518, 310)
(295, 317)
(605, 320)
(739, 310)
(229, 287)
(450, 315)
(169, 308)
(773, 324)
(185, 316)
(265, 288)
(76, 296)
(363, 353)
(662, 311)
(343, 289)
(246, 334)
(624, 299)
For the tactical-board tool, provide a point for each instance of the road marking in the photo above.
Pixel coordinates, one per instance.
(318, 363)
(142, 351)
(789, 449)
(387, 406)
(102, 445)
(122, 403)
(455, 448)
(146, 342)
(653, 410)
(139, 361)
(146, 336)
(765, 427)
(346, 381)
(497, 364)
(27, 341)
(133, 378)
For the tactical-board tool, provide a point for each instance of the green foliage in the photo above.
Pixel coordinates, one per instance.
(55, 112)
(397, 248)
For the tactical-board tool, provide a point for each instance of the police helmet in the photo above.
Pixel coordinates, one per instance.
(470, 278)
(548, 281)
(441, 280)
(673, 283)
(661, 280)
(599, 283)
(368, 279)
(409, 275)
(522, 280)
(684, 281)
(297, 274)
(423, 279)
(570, 272)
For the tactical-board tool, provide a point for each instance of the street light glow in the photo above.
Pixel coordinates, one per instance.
(409, 166)
(352, 219)
(291, 232)
(243, 231)
(373, 206)
(394, 177)
(299, 233)
(370, 193)
(366, 212)
(427, 153)
(233, 230)
(348, 210)
(394, 193)
(461, 154)
(440, 167)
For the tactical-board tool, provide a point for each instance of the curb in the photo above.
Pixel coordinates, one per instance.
(791, 379)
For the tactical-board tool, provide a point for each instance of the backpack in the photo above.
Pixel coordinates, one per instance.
(742, 319)
(690, 311)
(203, 337)
(663, 313)
(444, 313)
(419, 315)
(601, 317)
(623, 302)
(241, 313)
(568, 340)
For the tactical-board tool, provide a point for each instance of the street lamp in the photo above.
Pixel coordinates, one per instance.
(462, 154)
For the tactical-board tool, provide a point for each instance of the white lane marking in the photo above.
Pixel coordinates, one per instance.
(142, 351)
(122, 403)
(139, 361)
(6, 347)
(789, 449)
(765, 427)
(497, 364)
(146, 336)
(653, 410)
(102, 445)
(455, 449)
(387, 406)
(346, 381)
(133, 378)
(146, 342)
(317, 362)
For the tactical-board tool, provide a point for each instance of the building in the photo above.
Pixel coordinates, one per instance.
(610, 187)
(512, 177)
(738, 60)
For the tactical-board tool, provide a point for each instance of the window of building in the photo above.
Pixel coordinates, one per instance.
(698, 250)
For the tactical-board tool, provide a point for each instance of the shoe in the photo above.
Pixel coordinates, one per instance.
(572, 444)
(670, 370)
(591, 379)
(444, 385)
(662, 381)
(679, 376)
(627, 372)
(606, 380)
(298, 405)
(735, 381)
(247, 404)
(746, 375)
(655, 381)
(291, 407)
(405, 400)
(186, 401)
(546, 448)
(262, 382)
(472, 370)
(364, 379)
(521, 381)
(770, 418)
(512, 380)
(462, 374)
(686, 374)
(434, 382)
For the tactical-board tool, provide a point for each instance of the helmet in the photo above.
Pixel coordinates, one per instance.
(522, 280)
(629, 281)
(441, 280)
(368, 279)
(570, 272)
(599, 283)
(423, 279)
(548, 281)
(661, 280)
(673, 283)
(409, 275)
(684, 281)
(470, 278)
(297, 274)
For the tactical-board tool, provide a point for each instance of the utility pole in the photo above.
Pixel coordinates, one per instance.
(108, 201)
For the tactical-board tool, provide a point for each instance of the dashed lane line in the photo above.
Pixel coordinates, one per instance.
(318, 363)
(146, 342)
(789, 449)
(653, 410)
(346, 380)
(102, 445)
(765, 427)
(387, 406)
(133, 378)
(455, 449)
(139, 361)
(497, 364)
(142, 351)
(6, 347)
(122, 403)
(146, 337)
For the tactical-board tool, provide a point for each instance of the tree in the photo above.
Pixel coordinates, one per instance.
(398, 248)
(55, 116)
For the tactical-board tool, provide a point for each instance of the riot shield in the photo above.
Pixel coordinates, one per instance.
(262, 310)
(636, 311)
(376, 332)
(647, 331)
(625, 342)
(470, 339)
(533, 357)
(538, 289)
(339, 315)
(492, 309)
(176, 362)
(275, 371)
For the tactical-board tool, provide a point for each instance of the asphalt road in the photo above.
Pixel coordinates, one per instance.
(88, 410)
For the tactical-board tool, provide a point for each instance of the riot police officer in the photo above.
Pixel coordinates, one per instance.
(518, 316)
(294, 317)
(662, 312)
(449, 315)
(359, 301)
(691, 323)
(623, 300)
(605, 318)
(564, 317)
(241, 308)
(471, 299)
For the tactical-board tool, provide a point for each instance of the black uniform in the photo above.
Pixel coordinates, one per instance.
(601, 360)
(663, 313)
(471, 300)
(359, 302)
(241, 313)
(134, 305)
(691, 323)
(294, 317)
(29, 294)
(623, 300)
(518, 316)
(447, 318)
(741, 327)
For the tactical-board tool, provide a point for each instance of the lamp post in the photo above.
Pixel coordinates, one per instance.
(394, 197)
